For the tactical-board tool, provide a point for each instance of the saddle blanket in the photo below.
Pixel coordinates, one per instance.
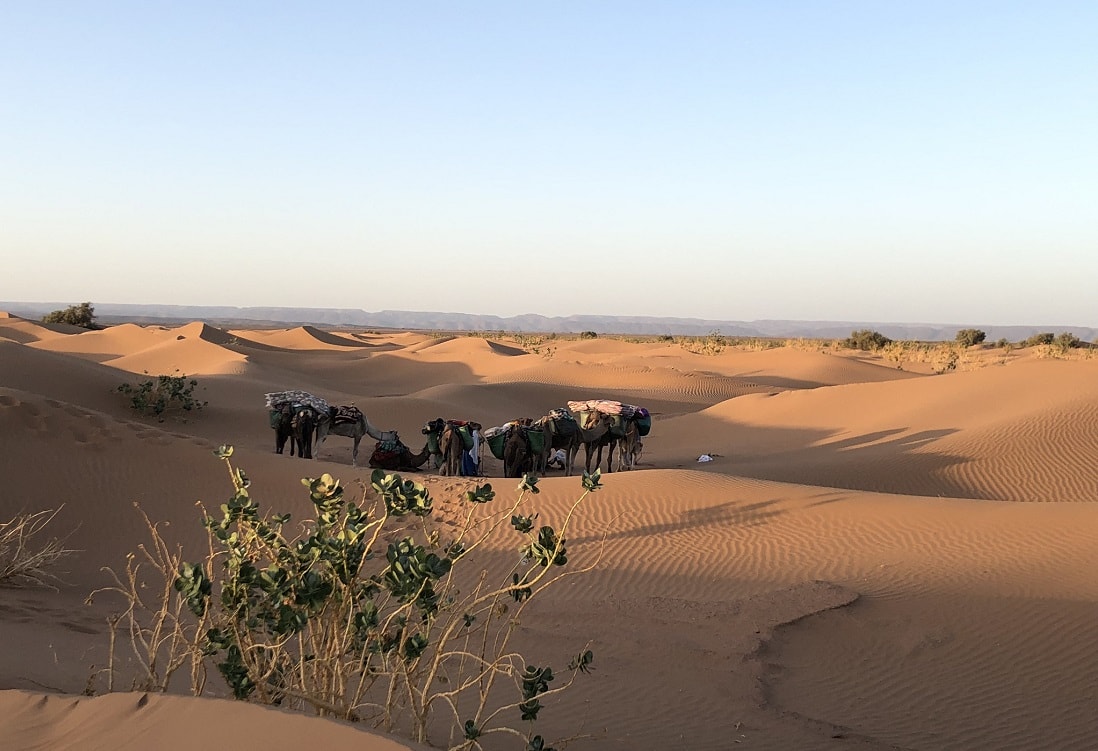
(346, 413)
(605, 406)
(560, 413)
(277, 399)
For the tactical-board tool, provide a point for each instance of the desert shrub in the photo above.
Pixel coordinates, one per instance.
(588, 335)
(25, 556)
(665, 338)
(1066, 340)
(1004, 344)
(75, 315)
(899, 353)
(712, 343)
(866, 340)
(162, 395)
(970, 337)
(1039, 339)
(367, 613)
(946, 358)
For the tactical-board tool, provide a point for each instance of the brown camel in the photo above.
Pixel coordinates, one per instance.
(449, 444)
(518, 458)
(627, 445)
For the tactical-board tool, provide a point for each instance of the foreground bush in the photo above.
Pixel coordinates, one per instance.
(365, 614)
(165, 394)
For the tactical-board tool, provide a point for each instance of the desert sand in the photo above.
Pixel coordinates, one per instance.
(877, 557)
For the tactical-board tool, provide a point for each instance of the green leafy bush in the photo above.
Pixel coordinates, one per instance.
(367, 613)
(588, 335)
(970, 337)
(866, 340)
(75, 315)
(164, 394)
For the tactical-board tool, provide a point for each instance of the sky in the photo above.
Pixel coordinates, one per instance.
(831, 160)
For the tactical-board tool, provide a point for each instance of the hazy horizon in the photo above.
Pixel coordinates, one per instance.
(736, 161)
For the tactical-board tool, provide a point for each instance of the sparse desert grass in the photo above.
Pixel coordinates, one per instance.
(27, 557)
(823, 346)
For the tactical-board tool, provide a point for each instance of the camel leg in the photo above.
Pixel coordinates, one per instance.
(570, 457)
(354, 451)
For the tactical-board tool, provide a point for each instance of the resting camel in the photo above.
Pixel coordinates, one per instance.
(355, 430)
(404, 460)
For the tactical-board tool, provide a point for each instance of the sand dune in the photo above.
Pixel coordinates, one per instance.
(875, 558)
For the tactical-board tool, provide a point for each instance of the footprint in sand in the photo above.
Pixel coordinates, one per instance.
(28, 414)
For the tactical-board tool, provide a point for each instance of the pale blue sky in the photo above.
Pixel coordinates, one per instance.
(860, 161)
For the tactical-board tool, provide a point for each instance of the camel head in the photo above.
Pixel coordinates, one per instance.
(434, 426)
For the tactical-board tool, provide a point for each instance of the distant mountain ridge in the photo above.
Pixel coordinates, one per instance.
(533, 323)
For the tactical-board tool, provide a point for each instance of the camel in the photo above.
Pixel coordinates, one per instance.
(560, 434)
(628, 446)
(433, 430)
(355, 430)
(594, 435)
(518, 459)
(293, 426)
(281, 421)
(400, 459)
(449, 445)
(303, 426)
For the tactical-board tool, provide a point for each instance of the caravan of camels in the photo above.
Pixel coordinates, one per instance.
(454, 447)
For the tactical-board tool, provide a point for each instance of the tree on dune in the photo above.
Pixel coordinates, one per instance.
(82, 315)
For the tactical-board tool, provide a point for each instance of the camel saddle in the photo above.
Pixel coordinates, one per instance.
(346, 414)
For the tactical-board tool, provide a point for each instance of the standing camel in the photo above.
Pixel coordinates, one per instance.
(559, 434)
(282, 422)
(594, 435)
(452, 446)
(447, 444)
(303, 426)
(294, 423)
(518, 458)
(627, 445)
(354, 429)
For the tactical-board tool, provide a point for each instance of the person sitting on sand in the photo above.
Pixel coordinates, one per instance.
(556, 460)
